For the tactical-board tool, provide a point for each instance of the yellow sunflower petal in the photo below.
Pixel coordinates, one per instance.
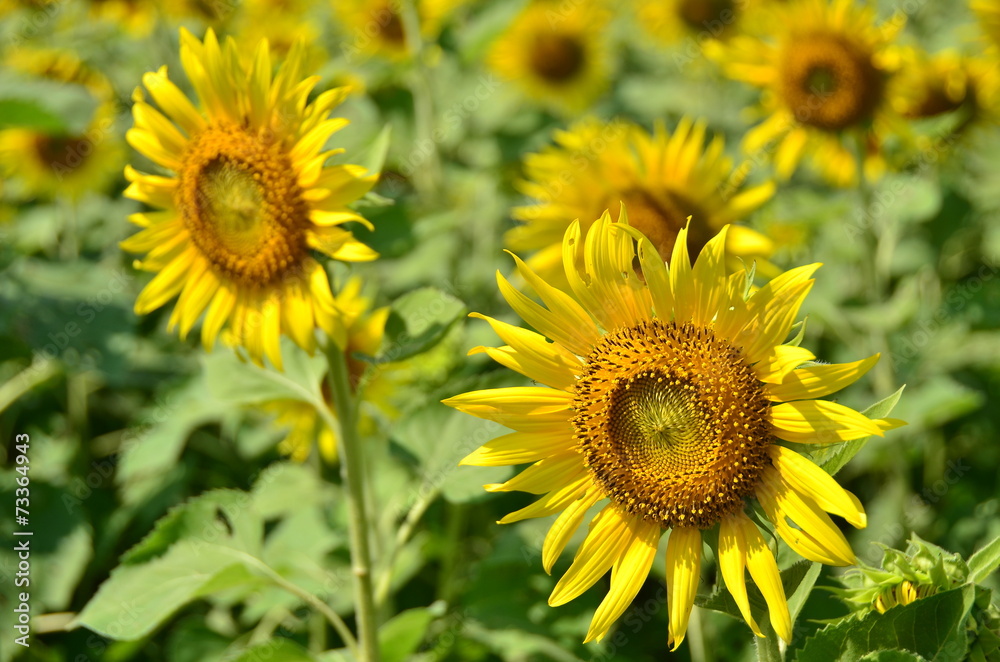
(780, 500)
(732, 565)
(683, 573)
(609, 535)
(550, 504)
(820, 422)
(806, 477)
(628, 575)
(764, 571)
(779, 361)
(551, 473)
(518, 448)
(818, 380)
(707, 278)
(565, 526)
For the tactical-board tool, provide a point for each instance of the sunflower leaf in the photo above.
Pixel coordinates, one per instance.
(373, 158)
(417, 321)
(233, 380)
(833, 458)
(984, 562)
(932, 627)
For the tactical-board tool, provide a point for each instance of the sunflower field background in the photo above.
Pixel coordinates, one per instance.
(185, 498)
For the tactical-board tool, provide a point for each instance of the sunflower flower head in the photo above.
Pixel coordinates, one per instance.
(72, 163)
(948, 84)
(365, 330)
(823, 67)
(556, 52)
(665, 399)
(248, 197)
(662, 178)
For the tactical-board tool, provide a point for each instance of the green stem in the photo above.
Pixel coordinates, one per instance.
(769, 646)
(427, 175)
(877, 268)
(696, 636)
(352, 473)
(403, 534)
(335, 620)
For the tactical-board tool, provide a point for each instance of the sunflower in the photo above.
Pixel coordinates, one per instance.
(670, 21)
(365, 329)
(556, 52)
(48, 164)
(824, 66)
(668, 396)
(988, 12)
(251, 197)
(662, 178)
(378, 27)
(948, 83)
(283, 23)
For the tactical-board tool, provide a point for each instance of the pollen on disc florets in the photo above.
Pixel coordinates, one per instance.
(829, 82)
(672, 422)
(240, 200)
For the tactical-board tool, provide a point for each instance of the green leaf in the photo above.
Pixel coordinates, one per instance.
(833, 458)
(27, 113)
(276, 650)
(439, 437)
(984, 562)
(153, 445)
(224, 516)
(402, 634)
(373, 158)
(933, 627)
(136, 599)
(892, 656)
(233, 380)
(417, 321)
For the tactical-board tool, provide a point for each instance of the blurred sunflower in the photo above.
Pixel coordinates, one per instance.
(135, 17)
(365, 329)
(824, 66)
(47, 164)
(948, 83)
(283, 23)
(252, 197)
(556, 52)
(668, 396)
(378, 27)
(988, 12)
(661, 178)
(670, 21)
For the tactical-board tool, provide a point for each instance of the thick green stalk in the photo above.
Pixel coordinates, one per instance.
(352, 473)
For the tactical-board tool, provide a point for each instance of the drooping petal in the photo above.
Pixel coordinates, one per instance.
(805, 477)
(732, 565)
(683, 572)
(565, 526)
(817, 537)
(610, 534)
(764, 571)
(627, 577)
